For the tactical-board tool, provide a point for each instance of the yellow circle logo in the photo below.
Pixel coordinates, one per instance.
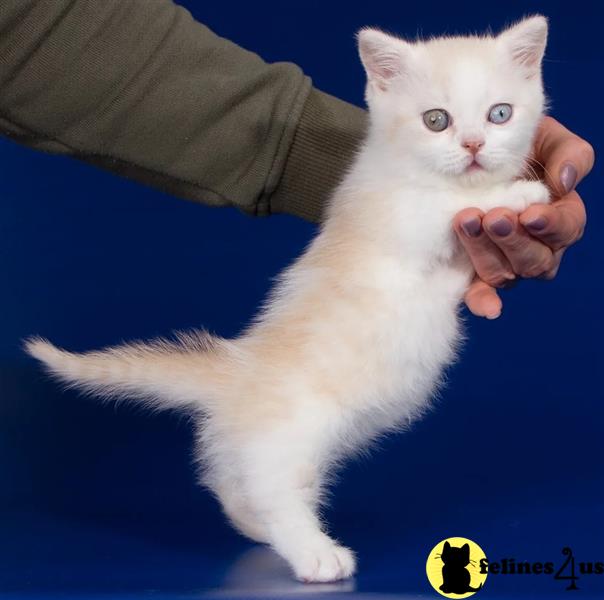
(453, 568)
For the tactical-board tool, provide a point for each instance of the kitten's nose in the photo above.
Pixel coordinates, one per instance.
(473, 146)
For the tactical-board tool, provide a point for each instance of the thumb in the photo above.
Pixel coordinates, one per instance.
(482, 300)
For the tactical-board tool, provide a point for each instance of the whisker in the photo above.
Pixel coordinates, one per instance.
(540, 164)
(532, 173)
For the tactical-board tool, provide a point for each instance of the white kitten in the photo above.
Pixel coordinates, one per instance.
(355, 336)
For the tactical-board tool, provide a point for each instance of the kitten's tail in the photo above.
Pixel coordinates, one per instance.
(163, 374)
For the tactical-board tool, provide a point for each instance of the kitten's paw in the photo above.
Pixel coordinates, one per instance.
(324, 562)
(524, 193)
(517, 197)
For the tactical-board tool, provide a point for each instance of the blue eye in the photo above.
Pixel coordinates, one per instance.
(500, 113)
(436, 119)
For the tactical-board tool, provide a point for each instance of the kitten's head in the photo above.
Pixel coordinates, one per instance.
(462, 107)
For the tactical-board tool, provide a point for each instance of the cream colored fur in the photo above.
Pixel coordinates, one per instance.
(356, 334)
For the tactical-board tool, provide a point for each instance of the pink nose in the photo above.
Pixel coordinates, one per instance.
(473, 146)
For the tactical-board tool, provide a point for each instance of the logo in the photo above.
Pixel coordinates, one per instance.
(458, 568)
(453, 568)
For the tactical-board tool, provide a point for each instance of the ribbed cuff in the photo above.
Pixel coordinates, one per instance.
(327, 136)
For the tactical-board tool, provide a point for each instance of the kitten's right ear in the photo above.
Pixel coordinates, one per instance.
(382, 55)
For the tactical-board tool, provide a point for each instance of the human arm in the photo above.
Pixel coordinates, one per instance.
(142, 89)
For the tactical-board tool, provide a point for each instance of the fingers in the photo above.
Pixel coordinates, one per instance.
(482, 300)
(566, 157)
(559, 224)
(489, 262)
(501, 244)
(527, 256)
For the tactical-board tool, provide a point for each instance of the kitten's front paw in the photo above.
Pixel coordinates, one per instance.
(517, 197)
(524, 193)
(323, 562)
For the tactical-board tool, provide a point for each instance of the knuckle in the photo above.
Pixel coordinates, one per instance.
(536, 269)
(587, 151)
(513, 243)
(561, 244)
(549, 275)
(547, 122)
(575, 233)
(497, 279)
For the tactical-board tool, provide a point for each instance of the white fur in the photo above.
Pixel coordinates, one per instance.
(354, 338)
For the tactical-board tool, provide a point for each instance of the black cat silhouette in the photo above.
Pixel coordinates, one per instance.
(456, 578)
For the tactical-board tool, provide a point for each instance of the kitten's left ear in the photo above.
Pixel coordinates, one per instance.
(525, 42)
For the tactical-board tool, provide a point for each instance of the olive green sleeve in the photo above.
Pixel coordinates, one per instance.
(142, 89)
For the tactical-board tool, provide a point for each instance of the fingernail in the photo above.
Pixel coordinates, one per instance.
(493, 316)
(471, 228)
(501, 227)
(538, 224)
(568, 177)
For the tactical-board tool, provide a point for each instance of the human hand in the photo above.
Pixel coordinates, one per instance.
(503, 246)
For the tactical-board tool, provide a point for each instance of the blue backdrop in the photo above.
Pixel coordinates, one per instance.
(97, 499)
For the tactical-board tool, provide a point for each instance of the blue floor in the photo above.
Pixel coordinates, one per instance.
(124, 518)
(177, 556)
(172, 556)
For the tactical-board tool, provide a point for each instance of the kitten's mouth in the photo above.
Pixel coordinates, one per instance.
(474, 166)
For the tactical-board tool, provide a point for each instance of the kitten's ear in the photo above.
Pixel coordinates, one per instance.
(382, 55)
(525, 42)
(447, 546)
(466, 548)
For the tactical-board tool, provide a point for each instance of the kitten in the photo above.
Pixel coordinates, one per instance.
(355, 336)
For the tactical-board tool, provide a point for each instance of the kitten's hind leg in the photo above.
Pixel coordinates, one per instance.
(239, 513)
(282, 488)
